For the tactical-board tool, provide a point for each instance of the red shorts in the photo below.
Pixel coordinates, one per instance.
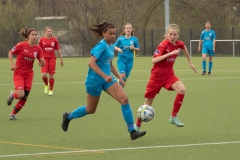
(49, 66)
(23, 79)
(154, 86)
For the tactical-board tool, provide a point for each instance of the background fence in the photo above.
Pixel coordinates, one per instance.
(79, 43)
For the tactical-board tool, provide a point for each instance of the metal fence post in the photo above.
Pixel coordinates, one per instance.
(83, 42)
(152, 39)
(233, 42)
(190, 45)
(144, 39)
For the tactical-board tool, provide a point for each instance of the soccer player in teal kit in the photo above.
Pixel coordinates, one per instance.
(208, 37)
(99, 79)
(126, 44)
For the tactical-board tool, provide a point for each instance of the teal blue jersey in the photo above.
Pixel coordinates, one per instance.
(208, 37)
(124, 44)
(104, 54)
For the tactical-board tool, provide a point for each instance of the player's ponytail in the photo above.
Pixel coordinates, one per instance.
(99, 29)
(25, 32)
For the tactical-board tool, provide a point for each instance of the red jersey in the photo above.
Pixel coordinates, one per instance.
(26, 55)
(49, 45)
(164, 68)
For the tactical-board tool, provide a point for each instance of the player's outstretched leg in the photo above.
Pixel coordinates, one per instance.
(176, 121)
(135, 134)
(65, 121)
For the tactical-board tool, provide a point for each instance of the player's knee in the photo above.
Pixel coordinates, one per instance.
(44, 75)
(182, 90)
(20, 95)
(25, 95)
(123, 99)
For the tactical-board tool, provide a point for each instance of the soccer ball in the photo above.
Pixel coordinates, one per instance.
(145, 113)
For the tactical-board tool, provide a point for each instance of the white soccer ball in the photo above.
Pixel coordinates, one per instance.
(145, 113)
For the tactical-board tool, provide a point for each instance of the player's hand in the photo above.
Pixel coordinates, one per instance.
(61, 63)
(176, 52)
(41, 63)
(199, 49)
(108, 79)
(119, 50)
(121, 82)
(13, 67)
(193, 67)
(132, 47)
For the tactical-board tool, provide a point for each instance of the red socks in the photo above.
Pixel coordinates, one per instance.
(45, 80)
(18, 106)
(51, 83)
(177, 104)
(138, 122)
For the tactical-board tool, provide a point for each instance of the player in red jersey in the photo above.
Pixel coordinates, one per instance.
(26, 53)
(49, 44)
(162, 74)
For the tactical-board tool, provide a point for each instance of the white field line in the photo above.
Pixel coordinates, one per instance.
(188, 79)
(120, 149)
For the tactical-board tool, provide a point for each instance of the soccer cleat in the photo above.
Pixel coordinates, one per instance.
(136, 127)
(10, 98)
(65, 121)
(50, 93)
(203, 73)
(12, 117)
(209, 73)
(46, 89)
(176, 121)
(135, 134)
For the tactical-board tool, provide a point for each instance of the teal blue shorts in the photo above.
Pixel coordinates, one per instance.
(209, 52)
(96, 89)
(125, 65)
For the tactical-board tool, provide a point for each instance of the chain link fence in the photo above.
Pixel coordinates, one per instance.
(79, 42)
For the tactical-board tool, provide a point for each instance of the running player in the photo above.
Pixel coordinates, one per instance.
(99, 78)
(126, 44)
(26, 53)
(49, 44)
(162, 73)
(208, 37)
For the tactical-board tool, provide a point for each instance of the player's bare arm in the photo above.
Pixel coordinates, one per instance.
(41, 62)
(118, 49)
(60, 56)
(186, 53)
(12, 64)
(160, 58)
(214, 44)
(115, 73)
(199, 46)
(133, 48)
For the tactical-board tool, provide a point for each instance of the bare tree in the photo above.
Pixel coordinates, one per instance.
(14, 16)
